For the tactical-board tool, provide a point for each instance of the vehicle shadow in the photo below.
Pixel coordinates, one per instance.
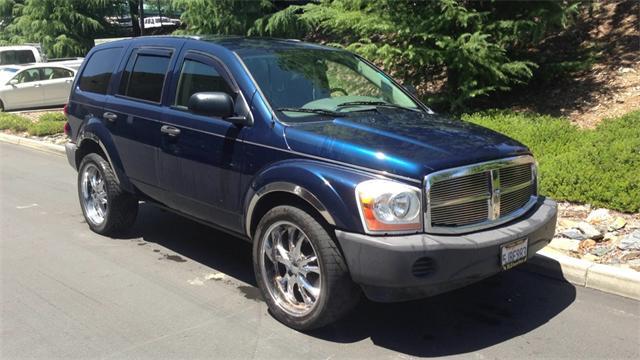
(478, 316)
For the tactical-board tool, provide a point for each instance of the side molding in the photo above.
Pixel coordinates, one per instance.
(287, 187)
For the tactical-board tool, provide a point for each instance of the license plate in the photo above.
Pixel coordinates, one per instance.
(514, 253)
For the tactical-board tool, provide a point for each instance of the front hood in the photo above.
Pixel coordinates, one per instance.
(400, 142)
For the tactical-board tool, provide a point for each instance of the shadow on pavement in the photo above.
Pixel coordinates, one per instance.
(481, 315)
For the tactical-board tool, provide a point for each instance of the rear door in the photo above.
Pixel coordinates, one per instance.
(27, 92)
(56, 85)
(201, 157)
(135, 111)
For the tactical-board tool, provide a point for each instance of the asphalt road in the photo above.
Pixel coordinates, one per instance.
(69, 293)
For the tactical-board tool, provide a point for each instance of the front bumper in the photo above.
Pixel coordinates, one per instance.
(396, 268)
(71, 148)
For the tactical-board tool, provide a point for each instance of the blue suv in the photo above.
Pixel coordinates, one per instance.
(341, 178)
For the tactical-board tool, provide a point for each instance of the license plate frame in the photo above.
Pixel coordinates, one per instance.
(514, 253)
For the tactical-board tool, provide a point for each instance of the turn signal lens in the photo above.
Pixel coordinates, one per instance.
(388, 206)
(67, 129)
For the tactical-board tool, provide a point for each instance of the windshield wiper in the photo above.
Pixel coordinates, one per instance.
(312, 111)
(375, 103)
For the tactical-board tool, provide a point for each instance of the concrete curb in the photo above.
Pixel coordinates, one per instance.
(609, 279)
(34, 144)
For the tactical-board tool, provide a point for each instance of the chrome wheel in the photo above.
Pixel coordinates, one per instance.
(94, 194)
(290, 268)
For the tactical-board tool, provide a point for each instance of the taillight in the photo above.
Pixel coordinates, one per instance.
(65, 109)
(67, 129)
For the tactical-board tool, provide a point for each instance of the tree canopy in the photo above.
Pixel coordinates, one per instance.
(452, 51)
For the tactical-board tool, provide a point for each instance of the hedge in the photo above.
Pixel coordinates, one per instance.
(598, 166)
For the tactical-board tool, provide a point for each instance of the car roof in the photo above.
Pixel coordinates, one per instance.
(242, 45)
(37, 65)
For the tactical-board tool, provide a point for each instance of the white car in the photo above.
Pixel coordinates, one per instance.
(34, 85)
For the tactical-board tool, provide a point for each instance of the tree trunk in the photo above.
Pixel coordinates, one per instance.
(135, 17)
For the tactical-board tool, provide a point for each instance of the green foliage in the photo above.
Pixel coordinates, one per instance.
(454, 51)
(52, 116)
(62, 27)
(220, 17)
(43, 128)
(13, 122)
(599, 166)
(47, 124)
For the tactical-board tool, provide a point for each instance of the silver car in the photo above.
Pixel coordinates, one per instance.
(34, 85)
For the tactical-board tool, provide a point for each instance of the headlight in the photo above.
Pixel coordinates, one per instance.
(389, 206)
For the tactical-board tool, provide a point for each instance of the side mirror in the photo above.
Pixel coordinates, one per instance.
(411, 89)
(216, 104)
(13, 82)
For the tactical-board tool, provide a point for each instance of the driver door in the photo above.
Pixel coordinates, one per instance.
(200, 158)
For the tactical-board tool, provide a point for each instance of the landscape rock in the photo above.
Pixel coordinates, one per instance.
(565, 244)
(590, 231)
(599, 216)
(566, 223)
(587, 244)
(630, 242)
(617, 224)
(601, 250)
(574, 234)
(634, 264)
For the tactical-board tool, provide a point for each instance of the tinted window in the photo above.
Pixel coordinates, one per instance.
(16, 57)
(198, 77)
(55, 73)
(144, 77)
(97, 72)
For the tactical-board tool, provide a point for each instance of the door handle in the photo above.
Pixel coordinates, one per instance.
(170, 130)
(109, 116)
(37, 85)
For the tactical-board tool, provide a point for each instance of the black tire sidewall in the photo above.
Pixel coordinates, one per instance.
(315, 233)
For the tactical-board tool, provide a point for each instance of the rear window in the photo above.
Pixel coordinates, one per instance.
(143, 77)
(10, 57)
(97, 73)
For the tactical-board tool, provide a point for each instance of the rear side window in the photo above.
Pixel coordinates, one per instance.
(199, 77)
(97, 73)
(144, 76)
(56, 73)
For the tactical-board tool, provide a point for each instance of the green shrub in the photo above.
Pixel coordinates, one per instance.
(598, 166)
(43, 128)
(52, 116)
(13, 122)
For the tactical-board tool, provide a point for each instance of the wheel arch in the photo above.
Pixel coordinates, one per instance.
(95, 138)
(284, 193)
(327, 191)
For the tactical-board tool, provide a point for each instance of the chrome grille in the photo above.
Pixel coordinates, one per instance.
(480, 195)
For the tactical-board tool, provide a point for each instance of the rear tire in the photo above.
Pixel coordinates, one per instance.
(107, 208)
(300, 270)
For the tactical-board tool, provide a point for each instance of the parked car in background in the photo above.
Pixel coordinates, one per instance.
(343, 180)
(159, 21)
(21, 54)
(30, 54)
(34, 85)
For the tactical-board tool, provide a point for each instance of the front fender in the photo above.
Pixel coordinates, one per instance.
(330, 189)
(94, 130)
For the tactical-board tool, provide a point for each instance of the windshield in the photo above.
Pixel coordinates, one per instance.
(6, 74)
(324, 80)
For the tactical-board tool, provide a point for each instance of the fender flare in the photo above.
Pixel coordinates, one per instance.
(327, 188)
(95, 131)
(291, 188)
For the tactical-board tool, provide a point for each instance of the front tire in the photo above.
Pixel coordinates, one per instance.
(300, 271)
(107, 208)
